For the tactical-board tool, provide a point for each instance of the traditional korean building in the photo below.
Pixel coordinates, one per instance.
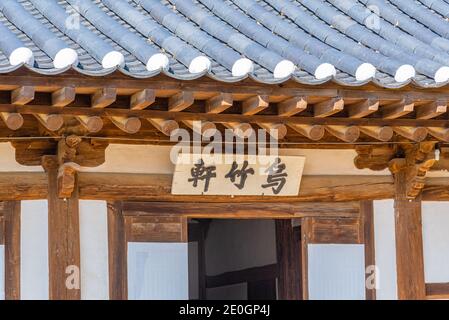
(96, 204)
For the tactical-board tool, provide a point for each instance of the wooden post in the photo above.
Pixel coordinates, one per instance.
(12, 250)
(367, 215)
(63, 238)
(409, 242)
(118, 283)
(288, 243)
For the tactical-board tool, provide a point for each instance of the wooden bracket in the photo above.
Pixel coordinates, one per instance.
(418, 160)
(66, 179)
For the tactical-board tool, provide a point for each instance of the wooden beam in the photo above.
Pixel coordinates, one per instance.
(335, 230)
(129, 125)
(103, 98)
(222, 117)
(52, 122)
(242, 276)
(117, 246)
(398, 109)
(367, 215)
(431, 110)
(348, 134)
(437, 290)
(63, 237)
(12, 250)
(276, 130)
(14, 121)
(288, 251)
(91, 123)
(417, 134)
(167, 127)
(409, 242)
(63, 97)
(241, 129)
(243, 210)
(255, 105)
(207, 129)
(180, 101)
(155, 228)
(142, 99)
(439, 133)
(328, 108)
(292, 106)
(363, 108)
(313, 132)
(22, 95)
(379, 133)
(219, 103)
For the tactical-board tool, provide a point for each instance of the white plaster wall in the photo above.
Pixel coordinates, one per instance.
(435, 218)
(94, 250)
(8, 161)
(385, 248)
(336, 271)
(158, 271)
(34, 250)
(2, 272)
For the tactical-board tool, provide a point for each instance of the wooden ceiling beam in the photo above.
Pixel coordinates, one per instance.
(292, 106)
(363, 108)
(439, 133)
(431, 110)
(219, 103)
(417, 134)
(255, 104)
(13, 121)
(165, 126)
(241, 129)
(313, 132)
(103, 98)
(329, 107)
(52, 122)
(276, 130)
(348, 134)
(180, 101)
(398, 109)
(142, 99)
(91, 123)
(22, 95)
(205, 128)
(379, 133)
(63, 97)
(129, 125)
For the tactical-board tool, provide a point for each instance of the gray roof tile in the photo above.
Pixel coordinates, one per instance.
(230, 40)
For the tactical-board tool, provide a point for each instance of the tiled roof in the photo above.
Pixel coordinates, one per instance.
(350, 42)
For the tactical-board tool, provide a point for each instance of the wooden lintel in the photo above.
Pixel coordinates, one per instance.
(142, 99)
(180, 101)
(255, 105)
(22, 95)
(219, 103)
(437, 290)
(431, 110)
(398, 109)
(328, 107)
(63, 97)
(292, 106)
(103, 98)
(363, 108)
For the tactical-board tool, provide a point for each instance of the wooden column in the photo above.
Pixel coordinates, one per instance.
(367, 214)
(63, 238)
(288, 246)
(409, 242)
(118, 283)
(12, 249)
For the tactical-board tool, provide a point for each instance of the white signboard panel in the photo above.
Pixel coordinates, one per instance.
(237, 175)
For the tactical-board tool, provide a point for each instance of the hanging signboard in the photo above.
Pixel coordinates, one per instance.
(237, 175)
